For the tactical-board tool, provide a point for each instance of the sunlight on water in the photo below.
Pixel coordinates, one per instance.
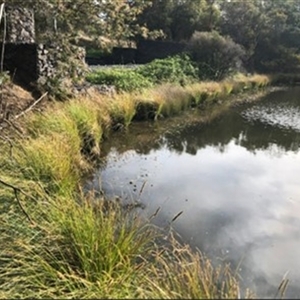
(278, 115)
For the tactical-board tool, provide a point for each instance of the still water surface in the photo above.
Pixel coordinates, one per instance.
(236, 179)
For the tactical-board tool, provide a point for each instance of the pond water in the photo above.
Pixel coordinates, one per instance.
(235, 179)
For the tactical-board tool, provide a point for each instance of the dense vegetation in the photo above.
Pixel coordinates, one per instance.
(58, 241)
(178, 69)
(268, 31)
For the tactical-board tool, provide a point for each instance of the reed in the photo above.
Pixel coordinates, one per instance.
(52, 161)
(260, 81)
(87, 117)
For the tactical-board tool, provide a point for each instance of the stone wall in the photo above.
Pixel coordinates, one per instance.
(54, 60)
(33, 65)
(20, 25)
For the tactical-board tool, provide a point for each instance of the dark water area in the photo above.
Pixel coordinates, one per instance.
(236, 179)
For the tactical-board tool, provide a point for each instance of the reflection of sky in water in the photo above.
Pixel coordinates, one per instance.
(237, 204)
(236, 181)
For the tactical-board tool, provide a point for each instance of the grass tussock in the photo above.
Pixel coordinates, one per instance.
(122, 108)
(89, 249)
(205, 91)
(171, 99)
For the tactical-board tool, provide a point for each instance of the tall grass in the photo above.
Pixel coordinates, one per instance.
(57, 242)
(122, 108)
(170, 99)
(82, 249)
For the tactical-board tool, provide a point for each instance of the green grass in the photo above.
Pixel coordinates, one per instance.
(57, 242)
(97, 250)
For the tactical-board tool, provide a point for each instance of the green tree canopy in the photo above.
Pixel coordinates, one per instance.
(268, 30)
(112, 19)
(216, 56)
(179, 19)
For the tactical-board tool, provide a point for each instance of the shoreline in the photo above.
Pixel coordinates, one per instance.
(67, 232)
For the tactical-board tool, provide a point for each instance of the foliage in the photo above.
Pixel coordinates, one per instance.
(243, 21)
(193, 15)
(122, 78)
(175, 69)
(157, 17)
(113, 19)
(215, 56)
(179, 19)
(4, 78)
(268, 30)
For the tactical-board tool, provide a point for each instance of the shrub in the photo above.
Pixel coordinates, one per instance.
(174, 69)
(216, 56)
(122, 79)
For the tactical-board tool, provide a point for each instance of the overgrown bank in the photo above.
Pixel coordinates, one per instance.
(58, 242)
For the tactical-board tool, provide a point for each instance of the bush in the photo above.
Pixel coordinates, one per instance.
(122, 79)
(174, 69)
(216, 56)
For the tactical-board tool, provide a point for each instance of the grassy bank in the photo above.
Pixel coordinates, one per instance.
(59, 242)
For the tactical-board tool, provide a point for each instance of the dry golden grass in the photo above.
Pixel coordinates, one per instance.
(171, 99)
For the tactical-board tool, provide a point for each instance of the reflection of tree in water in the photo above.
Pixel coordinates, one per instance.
(253, 134)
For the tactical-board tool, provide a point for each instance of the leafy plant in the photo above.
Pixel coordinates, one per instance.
(216, 56)
(174, 69)
(122, 79)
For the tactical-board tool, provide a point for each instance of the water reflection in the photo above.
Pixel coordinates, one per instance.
(254, 126)
(236, 180)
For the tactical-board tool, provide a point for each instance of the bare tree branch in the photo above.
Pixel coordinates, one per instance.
(16, 191)
(31, 106)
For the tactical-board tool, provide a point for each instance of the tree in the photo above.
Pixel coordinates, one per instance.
(243, 22)
(269, 30)
(216, 56)
(114, 19)
(278, 49)
(157, 17)
(120, 19)
(178, 19)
